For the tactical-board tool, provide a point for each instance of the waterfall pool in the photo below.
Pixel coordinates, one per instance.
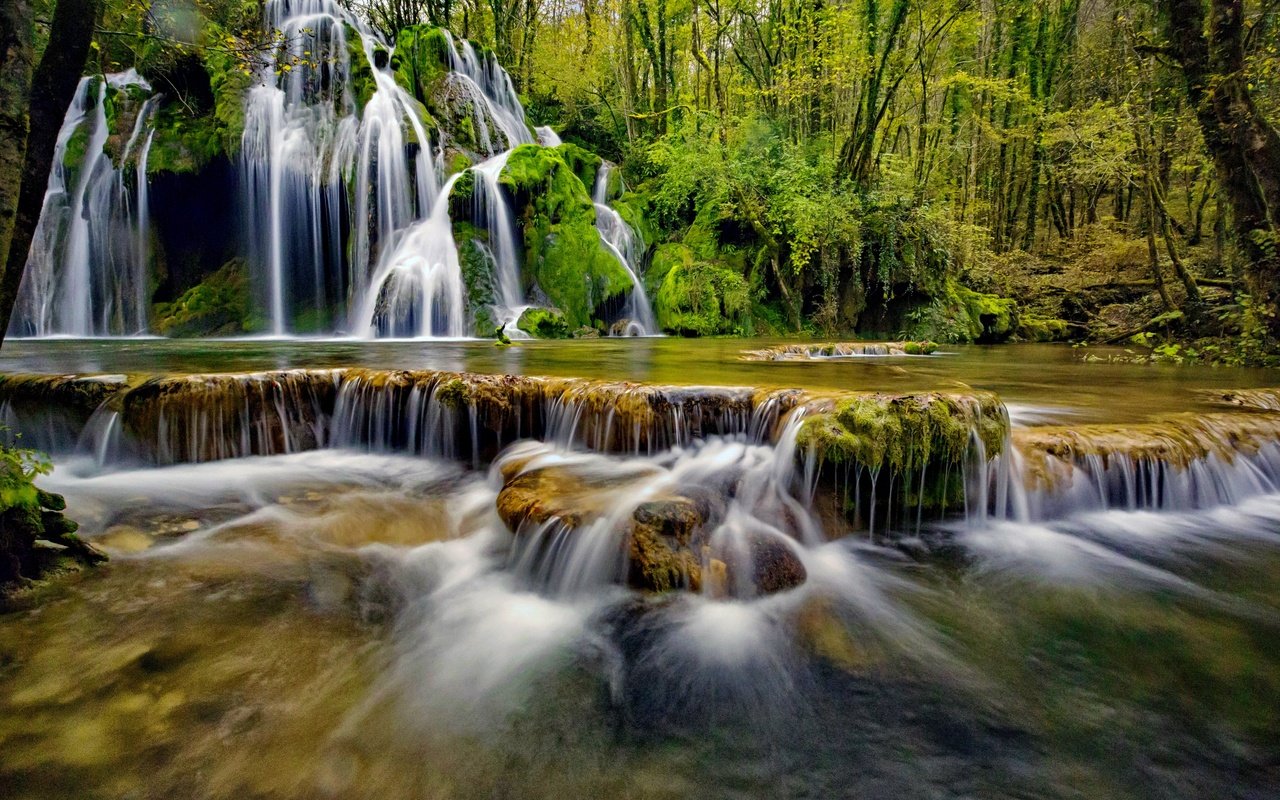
(360, 620)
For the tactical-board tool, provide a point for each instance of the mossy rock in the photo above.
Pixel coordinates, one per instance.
(421, 60)
(565, 261)
(477, 275)
(1034, 328)
(361, 82)
(220, 305)
(905, 433)
(544, 323)
(697, 298)
(584, 163)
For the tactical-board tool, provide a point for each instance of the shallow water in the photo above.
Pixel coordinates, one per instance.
(1047, 377)
(351, 624)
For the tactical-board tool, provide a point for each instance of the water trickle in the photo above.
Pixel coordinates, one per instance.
(492, 210)
(626, 246)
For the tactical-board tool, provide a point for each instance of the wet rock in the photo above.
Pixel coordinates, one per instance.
(666, 545)
(666, 540)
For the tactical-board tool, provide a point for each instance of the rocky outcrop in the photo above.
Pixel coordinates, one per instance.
(665, 541)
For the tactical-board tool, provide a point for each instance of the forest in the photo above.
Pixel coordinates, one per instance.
(956, 171)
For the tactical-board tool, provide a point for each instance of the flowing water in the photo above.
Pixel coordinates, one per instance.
(626, 246)
(342, 208)
(318, 587)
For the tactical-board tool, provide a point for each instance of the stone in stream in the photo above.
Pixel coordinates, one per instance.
(667, 540)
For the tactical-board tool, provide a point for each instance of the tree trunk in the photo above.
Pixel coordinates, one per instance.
(16, 59)
(53, 84)
(1244, 147)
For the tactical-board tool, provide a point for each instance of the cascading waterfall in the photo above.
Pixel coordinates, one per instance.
(86, 274)
(621, 240)
(304, 139)
(491, 90)
(491, 208)
(417, 289)
(340, 197)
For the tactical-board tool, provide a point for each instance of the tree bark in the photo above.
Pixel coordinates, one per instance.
(16, 62)
(1244, 147)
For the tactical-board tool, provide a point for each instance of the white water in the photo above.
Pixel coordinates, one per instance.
(624, 243)
(492, 210)
(417, 289)
(304, 140)
(88, 267)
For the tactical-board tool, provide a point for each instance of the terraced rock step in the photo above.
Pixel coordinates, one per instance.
(890, 457)
(806, 351)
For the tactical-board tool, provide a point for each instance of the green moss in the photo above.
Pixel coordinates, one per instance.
(183, 143)
(583, 162)
(457, 162)
(544, 323)
(362, 83)
(919, 348)
(564, 257)
(421, 60)
(1033, 328)
(905, 433)
(453, 393)
(217, 306)
(994, 316)
(477, 274)
(697, 298)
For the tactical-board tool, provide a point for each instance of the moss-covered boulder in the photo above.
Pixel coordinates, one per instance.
(36, 539)
(565, 261)
(220, 305)
(544, 323)
(906, 452)
(698, 298)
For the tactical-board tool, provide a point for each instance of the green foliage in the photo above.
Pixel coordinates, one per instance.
(220, 305)
(697, 298)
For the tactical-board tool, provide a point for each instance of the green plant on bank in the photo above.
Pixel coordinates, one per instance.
(35, 538)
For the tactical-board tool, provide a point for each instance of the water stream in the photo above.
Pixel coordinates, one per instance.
(396, 584)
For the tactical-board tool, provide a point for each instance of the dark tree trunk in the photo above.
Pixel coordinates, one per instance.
(1244, 147)
(16, 60)
(52, 86)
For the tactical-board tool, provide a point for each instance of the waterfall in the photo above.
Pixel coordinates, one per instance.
(621, 240)
(547, 137)
(304, 140)
(417, 289)
(491, 89)
(86, 273)
(491, 208)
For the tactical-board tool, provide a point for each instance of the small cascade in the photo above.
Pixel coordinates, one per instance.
(87, 271)
(717, 517)
(490, 89)
(1176, 464)
(491, 208)
(623, 242)
(547, 137)
(417, 289)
